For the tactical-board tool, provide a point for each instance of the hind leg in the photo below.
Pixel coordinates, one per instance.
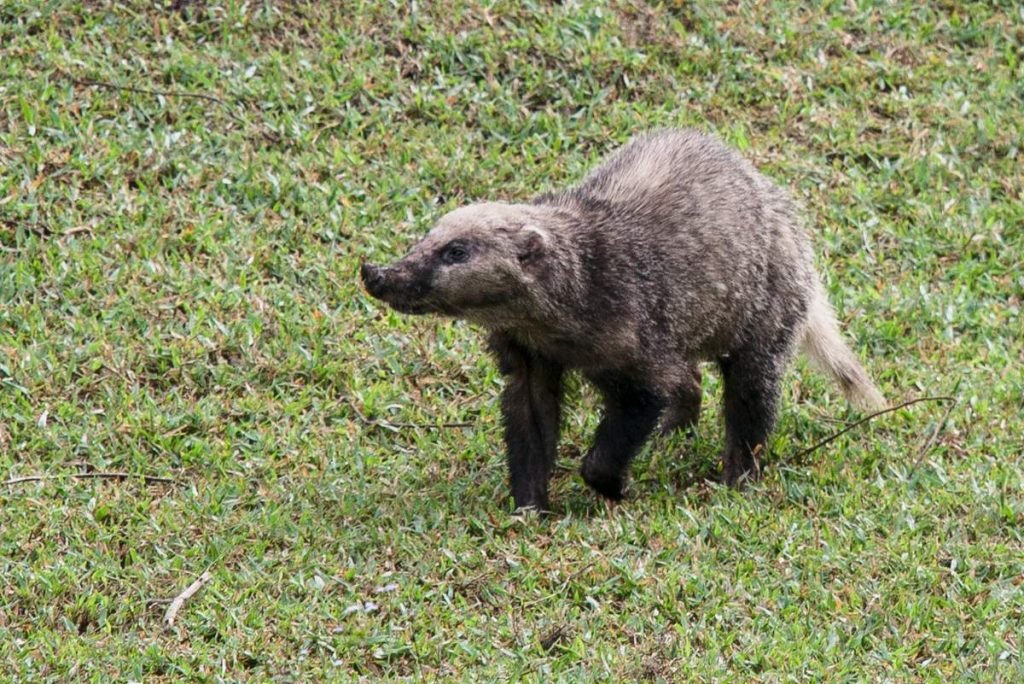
(684, 406)
(753, 379)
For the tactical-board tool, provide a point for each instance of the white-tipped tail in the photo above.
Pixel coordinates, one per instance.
(824, 345)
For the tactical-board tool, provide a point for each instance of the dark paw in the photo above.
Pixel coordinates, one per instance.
(538, 504)
(739, 467)
(608, 485)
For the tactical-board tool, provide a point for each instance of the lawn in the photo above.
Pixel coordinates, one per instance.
(186, 192)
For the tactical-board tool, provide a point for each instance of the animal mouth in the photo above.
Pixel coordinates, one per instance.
(403, 303)
(406, 307)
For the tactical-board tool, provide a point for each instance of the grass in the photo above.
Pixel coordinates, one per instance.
(178, 298)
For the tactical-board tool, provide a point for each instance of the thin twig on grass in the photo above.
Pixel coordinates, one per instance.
(930, 442)
(835, 435)
(179, 600)
(150, 479)
(267, 134)
(147, 91)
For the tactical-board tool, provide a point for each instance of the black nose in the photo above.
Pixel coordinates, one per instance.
(372, 275)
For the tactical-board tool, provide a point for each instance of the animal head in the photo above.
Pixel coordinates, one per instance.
(477, 264)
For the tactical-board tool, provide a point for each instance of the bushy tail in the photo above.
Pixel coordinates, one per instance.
(825, 347)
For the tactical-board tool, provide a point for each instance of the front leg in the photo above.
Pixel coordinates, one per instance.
(531, 409)
(631, 412)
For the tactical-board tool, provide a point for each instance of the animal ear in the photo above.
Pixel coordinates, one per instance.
(533, 242)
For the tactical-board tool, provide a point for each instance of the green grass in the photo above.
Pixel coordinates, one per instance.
(178, 298)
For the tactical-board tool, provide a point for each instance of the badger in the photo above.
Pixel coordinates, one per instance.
(673, 252)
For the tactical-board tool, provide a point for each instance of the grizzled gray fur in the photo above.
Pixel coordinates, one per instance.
(674, 251)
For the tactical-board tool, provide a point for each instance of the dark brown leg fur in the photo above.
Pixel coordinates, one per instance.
(531, 408)
(683, 410)
(631, 412)
(752, 385)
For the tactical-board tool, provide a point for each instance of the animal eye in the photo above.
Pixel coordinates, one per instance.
(455, 254)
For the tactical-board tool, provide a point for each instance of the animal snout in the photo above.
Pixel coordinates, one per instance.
(373, 277)
(397, 286)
